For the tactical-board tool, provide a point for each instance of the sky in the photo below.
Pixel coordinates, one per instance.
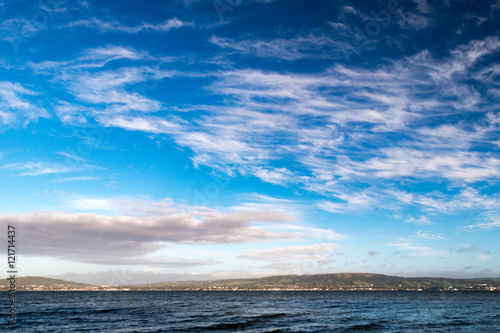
(174, 140)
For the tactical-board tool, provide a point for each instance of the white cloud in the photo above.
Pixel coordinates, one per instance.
(461, 60)
(487, 220)
(74, 179)
(110, 53)
(350, 9)
(280, 176)
(71, 114)
(114, 26)
(118, 90)
(456, 136)
(422, 220)
(14, 107)
(470, 198)
(425, 235)
(269, 117)
(397, 162)
(289, 49)
(414, 21)
(93, 58)
(109, 88)
(350, 202)
(467, 198)
(71, 156)
(35, 169)
(150, 125)
(265, 197)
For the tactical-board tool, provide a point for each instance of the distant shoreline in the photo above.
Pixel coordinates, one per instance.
(317, 282)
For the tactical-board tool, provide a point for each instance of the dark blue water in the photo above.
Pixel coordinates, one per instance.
(277, 311)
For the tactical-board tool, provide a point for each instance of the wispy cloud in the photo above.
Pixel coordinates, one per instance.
(74, 179)
(280, 176)
(487, 220)
(466, 166)
(289, 49)
(14, 107)
(268, 198)
(91, 58)
(414, 21)
(467, 198)
(350, 202)
(270, 117)
(109, 88)
(115, 26)
(35, 169)
(422, 220)
(108, 91)
(71, 156)
(426, 235)
(71, 114)
(96, 58)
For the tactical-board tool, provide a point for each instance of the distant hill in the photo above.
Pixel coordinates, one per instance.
(344, 281)
(31, 282)
(339, 281)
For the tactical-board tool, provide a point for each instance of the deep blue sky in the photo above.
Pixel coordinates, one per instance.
(205, 139)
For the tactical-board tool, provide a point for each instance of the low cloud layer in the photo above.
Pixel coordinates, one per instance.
(123, 239)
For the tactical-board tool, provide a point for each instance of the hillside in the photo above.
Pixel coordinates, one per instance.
(41, 283)
(339, 281)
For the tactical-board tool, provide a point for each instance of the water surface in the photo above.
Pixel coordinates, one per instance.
(271, 311)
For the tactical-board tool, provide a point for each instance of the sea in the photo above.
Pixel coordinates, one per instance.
(254, 311)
